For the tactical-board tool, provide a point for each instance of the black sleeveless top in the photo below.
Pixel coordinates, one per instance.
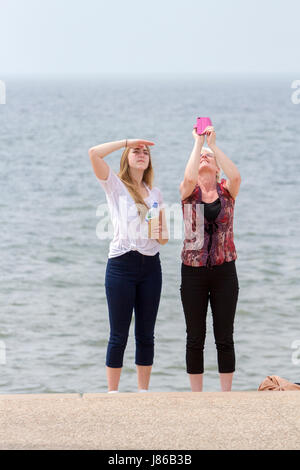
(212, 209)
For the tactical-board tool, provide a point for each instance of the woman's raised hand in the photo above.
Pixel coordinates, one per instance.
(210, 136)
(197, 137)
(134, 143)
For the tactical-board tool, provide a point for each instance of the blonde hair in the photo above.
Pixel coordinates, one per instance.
(148, 176)
(208, 150)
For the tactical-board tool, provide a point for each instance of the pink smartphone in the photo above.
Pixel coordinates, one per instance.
(202, 123)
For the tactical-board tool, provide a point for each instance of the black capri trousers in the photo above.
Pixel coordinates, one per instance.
(219, 285)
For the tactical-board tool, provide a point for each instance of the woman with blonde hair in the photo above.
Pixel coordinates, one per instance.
(133, 278)
(208, 271)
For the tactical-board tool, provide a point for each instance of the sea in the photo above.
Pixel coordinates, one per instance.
(54, 323)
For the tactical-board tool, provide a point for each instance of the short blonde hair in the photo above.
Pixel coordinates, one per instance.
(208, 150)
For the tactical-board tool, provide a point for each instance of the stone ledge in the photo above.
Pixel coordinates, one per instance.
(153, 420)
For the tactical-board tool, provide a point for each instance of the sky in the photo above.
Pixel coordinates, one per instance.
(136, 37)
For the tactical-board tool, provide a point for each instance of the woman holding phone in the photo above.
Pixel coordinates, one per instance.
(208, 271)
(133, 278)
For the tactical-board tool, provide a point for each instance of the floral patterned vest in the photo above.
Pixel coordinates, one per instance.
(217, 245)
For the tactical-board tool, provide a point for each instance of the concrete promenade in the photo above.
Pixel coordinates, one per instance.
(153, 420)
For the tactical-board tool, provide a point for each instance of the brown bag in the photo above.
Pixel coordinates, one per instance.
(276, 383)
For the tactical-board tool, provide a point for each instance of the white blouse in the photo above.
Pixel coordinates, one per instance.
(130, 233)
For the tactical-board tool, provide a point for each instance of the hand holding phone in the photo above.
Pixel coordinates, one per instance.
(202, 124)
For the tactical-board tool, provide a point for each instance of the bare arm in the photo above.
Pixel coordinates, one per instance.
(191, 170)
(227, 165)
(97, 153)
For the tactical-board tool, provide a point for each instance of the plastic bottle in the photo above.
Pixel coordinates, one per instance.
(152, 214)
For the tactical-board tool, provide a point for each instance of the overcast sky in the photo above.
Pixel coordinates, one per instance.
(157, 36)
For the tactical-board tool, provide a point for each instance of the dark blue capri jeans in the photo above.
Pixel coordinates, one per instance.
(133, 281)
